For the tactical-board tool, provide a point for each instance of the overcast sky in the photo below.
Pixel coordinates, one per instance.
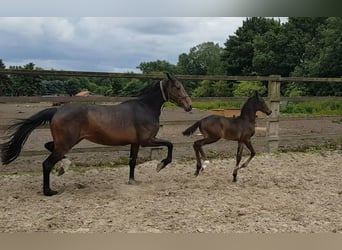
(113, 44)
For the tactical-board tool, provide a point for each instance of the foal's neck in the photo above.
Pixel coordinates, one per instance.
(248, 111)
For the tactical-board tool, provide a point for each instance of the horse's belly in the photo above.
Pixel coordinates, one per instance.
(112, 139)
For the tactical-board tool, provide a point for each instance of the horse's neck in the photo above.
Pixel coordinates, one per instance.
(154, 102)
(248, 112)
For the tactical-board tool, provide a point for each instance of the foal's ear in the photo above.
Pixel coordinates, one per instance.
(256, 94)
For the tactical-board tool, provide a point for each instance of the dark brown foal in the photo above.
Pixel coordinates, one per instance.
(239, 129)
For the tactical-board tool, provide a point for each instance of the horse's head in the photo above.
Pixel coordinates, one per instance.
(260, 104)
(174, 91)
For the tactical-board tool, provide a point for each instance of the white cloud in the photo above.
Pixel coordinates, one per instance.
(106, 43)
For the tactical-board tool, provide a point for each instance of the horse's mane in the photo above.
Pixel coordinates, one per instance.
(150, 88)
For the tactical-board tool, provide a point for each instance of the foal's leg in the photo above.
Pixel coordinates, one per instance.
(238, 159)
(245, 164)
(251, 149)
(132, 162)
(199, 151)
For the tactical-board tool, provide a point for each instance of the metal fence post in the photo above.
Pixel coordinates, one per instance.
(273, 120)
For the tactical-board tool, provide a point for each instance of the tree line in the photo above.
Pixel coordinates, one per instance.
(302, 46)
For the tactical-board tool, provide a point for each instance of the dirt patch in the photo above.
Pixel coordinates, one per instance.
(293, 192)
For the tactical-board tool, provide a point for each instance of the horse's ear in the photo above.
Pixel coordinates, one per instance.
(171, 76)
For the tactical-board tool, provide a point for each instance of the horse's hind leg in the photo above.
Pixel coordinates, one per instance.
(48, 164)
(132, 162)
(238, 160)
(51, 146)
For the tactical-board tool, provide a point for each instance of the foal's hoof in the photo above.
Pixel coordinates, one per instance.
(50, 192)
(160, 166)
(61, 171)
(133, 182)
(234, 178)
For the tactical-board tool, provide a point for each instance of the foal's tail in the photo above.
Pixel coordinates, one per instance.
(190, 130)
(10, 150)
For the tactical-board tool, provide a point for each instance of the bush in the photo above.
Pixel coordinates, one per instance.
(246, 89)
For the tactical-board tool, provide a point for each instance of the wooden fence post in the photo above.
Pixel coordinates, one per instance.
(273, 120)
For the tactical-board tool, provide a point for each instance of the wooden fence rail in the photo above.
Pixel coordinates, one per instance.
(274, 97)
(63, 73)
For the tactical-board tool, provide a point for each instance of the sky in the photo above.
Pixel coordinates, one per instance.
(106, 44)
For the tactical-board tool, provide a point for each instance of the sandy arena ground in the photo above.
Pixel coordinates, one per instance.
(282, 192)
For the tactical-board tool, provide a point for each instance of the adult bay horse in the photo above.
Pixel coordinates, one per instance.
(239, 129)
(134, 122)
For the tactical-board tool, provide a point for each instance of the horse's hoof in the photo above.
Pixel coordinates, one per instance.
(50, 192)
(160, 166)
(134, 182)
(196, 173)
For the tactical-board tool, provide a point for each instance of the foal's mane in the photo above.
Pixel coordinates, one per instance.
(247, 104)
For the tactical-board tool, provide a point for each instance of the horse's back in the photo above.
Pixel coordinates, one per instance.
(102, 124)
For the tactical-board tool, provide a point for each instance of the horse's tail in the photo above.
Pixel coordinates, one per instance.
(10, 150)
(190, 130)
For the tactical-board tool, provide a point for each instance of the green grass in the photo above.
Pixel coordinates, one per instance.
(212, 105)
(318, 108)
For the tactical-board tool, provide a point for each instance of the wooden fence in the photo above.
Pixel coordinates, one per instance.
(274, 97)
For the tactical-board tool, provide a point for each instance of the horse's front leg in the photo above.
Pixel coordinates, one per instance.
(154, 142)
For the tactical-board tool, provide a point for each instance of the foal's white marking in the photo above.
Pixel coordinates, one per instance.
(205, 164)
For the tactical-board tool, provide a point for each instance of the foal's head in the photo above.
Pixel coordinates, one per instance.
(174, 91)
(260, 104)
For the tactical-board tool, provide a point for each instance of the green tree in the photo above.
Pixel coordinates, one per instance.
(73, 86)
(157, 66)
(23, 85)
(246, 89)
(205, 88)
(239, 49)
(203, 59)
(222, 89)
(132, 88)
(5, 82)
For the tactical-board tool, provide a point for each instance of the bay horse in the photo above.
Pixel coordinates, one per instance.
(240, 129)
(134, 122)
